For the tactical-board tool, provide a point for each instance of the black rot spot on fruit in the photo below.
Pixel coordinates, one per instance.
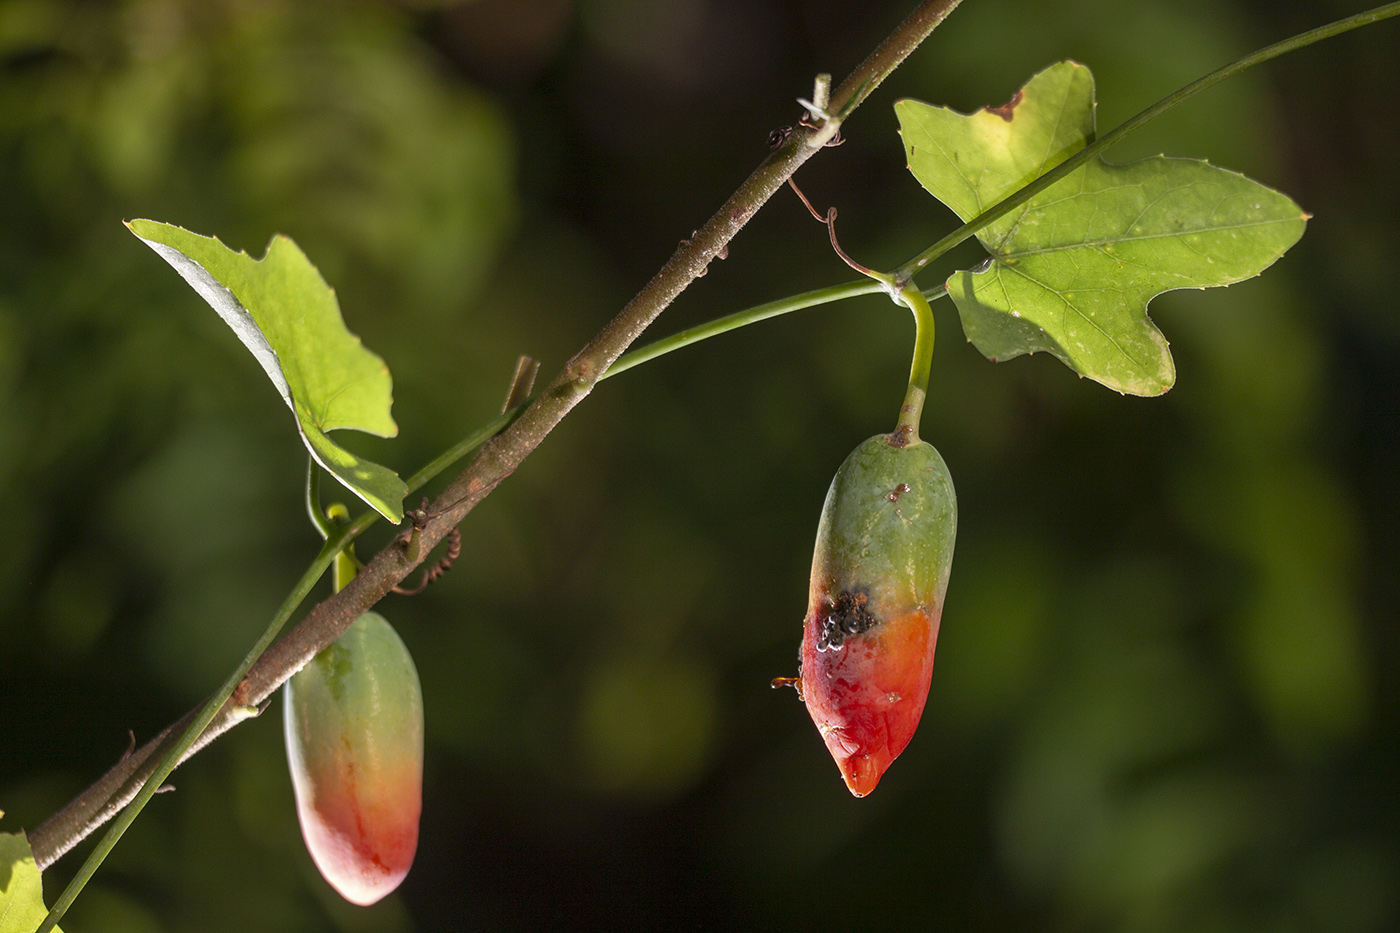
(842, 617)
(894, 494)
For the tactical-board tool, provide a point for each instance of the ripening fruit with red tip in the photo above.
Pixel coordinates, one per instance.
(354, 725)
(879, 573)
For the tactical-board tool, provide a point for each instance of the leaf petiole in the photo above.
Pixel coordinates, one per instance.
(313, 499)
(738, 319)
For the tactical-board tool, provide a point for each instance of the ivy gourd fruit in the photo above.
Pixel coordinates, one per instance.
(879, 573)
(354, 726)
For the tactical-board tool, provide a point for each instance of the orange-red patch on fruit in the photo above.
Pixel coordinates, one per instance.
(866, 695)
(362, 829)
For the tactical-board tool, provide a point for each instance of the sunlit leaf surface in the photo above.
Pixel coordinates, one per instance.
(21, 893)
(287, 315)
(1072, 270)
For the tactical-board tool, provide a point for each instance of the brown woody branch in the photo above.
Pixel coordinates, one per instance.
(500, 456)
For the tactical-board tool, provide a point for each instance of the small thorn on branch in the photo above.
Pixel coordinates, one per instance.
(721, 253)
(818, 109)
(821, 90)
(821, 97)
(522, 383)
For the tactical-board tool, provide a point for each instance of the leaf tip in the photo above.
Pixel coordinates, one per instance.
(134, 223)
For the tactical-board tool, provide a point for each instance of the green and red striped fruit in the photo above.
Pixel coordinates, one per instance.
(354, 724)
(879, 574)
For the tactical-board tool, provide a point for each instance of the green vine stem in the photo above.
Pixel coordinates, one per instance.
(659, 348)
(737, 320)
(443, 461)
(189, 735)
(504, 444)
(906, 272)
(912, 410)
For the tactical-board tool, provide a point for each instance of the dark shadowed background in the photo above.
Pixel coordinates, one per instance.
(1166, 694)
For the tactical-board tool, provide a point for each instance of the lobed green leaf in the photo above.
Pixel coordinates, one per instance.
(1073, 270)
(288, 317)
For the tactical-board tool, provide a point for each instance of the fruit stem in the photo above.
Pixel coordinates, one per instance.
(330, 522)
(346, 563)
(907, 428)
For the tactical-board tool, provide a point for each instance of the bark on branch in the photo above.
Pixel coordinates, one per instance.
(496, 459)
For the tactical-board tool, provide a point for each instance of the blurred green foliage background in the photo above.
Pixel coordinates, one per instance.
(1166, 690)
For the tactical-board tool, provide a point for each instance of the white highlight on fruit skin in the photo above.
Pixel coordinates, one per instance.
(333, 852)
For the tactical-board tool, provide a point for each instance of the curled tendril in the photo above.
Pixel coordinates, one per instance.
(419, 517)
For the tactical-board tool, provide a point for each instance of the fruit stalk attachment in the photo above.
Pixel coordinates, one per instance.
(912, 411)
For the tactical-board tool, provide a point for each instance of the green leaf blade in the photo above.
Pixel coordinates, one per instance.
(1073, 270)
(288, 317)
(1007, 312)
(972, 161)
(21, 887)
